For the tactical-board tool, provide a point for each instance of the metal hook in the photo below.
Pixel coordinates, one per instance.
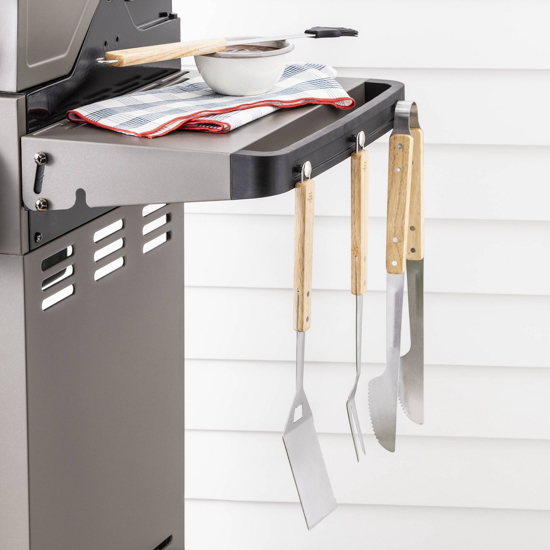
(360, 141)
(405, 117)
(305, 172)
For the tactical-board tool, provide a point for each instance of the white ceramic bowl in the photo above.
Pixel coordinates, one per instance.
(245, 73)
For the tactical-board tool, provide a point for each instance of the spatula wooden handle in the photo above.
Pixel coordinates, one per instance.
(165, 52)
(399, 194)
(415, 242)
(359, 220)
(303, 253)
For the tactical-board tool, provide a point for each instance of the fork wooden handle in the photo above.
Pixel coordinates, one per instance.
(359, 220)
(415, 241)
(399, 194)
(303, 253)
(165, 52)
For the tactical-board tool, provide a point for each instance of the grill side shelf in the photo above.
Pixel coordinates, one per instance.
(258, 160)
(270, 166)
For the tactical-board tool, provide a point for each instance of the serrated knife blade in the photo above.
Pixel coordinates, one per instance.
(383, 388)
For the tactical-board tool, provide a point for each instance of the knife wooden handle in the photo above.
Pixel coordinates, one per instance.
(165, 52)
(359, 220)
(415, 242)
(303, 253)
(399, 195)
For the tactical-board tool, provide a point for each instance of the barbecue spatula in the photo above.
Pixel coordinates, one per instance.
(300, 438)
(411, 371)
(359, 222)
(383, 388)
(176, 50)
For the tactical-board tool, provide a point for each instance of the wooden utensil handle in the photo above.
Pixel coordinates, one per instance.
(359, 220)
(415, 242)
(303, 253)
(399, 195)
(165, 52)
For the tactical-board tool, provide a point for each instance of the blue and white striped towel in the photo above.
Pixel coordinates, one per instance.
(192, 105)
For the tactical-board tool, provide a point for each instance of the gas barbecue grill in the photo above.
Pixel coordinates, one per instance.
(91, 264)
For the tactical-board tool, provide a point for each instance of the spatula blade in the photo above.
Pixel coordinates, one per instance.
(411, 371)
(308, 468)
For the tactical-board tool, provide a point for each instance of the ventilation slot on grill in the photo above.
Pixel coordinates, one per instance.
(165, 543)
(57, 297)
(109, 268)
(156, 242)
(58, 277)
(155, 224)
(109, 230)
(109, 249)
(57, 258)
(150, 208)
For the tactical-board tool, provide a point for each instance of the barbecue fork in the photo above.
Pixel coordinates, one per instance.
(359, 228)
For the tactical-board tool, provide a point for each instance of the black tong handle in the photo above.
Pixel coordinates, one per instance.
(331, 32)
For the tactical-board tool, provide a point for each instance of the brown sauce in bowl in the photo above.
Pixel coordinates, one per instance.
(249, 48)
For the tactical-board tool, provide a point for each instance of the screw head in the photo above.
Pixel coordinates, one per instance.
(41, 158)
(38, 237)
(41, 205)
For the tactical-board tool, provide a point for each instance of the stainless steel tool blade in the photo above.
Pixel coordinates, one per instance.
(353, 417)
(383, 388)
(411, 372)
(304, 451)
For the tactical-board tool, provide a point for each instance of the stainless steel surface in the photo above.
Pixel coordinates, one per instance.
(411, 371)
(405, 117)
(119, 170)
(40, 39)
(13, 219)
(105, 391)
(383, 388)
(14, 492)
(351, 406)
(304, 451)
(41, 205)
(41, 158)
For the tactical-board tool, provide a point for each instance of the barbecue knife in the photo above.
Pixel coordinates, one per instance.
(383, 388)
(411, 371)
(359, 225)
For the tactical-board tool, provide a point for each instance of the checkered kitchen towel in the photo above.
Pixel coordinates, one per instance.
(192, 105)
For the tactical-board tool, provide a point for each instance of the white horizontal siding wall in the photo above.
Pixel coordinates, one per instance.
(476, 475)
